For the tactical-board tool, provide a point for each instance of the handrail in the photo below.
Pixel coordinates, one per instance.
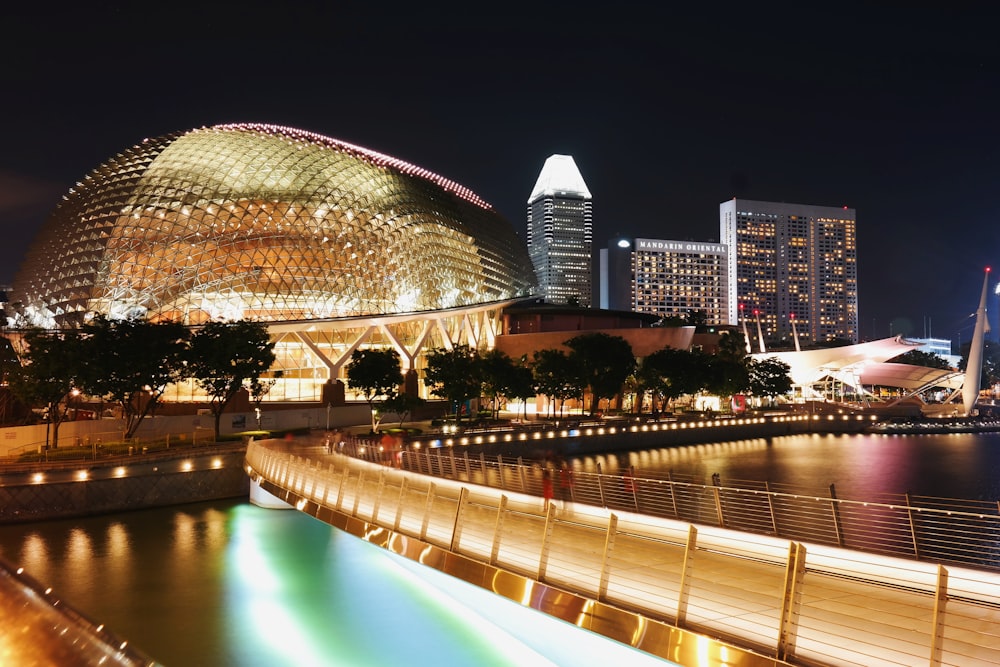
(938, 530)
(44, 629)
(797, 602)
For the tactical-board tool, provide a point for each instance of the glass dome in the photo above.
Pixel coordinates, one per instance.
(264, 223)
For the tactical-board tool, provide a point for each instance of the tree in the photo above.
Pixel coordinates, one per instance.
(402, 404)
(131, 362)
(670, 373)
(921, 358)
(769, 377)
(605, 362)
(454, 374)
(728, 371)
(260, 387)
(991, 363)
(522, 385)
(556, 377)
(375, 373)
(223, 356)
(49, 371)
(498, 377)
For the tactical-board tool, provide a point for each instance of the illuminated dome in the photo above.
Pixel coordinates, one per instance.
(265, 223)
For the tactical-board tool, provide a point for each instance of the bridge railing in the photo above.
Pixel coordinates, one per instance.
(776, 596)
(949, 531)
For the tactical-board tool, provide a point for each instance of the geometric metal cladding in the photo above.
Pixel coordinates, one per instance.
(264, 223)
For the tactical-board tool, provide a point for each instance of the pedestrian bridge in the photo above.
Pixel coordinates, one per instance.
(688, 592)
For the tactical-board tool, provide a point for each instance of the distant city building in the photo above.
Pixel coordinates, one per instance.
(560, 231)
(667, 278)
(939, 346)
(792, 262)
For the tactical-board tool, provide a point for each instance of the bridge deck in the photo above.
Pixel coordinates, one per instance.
(623, 573)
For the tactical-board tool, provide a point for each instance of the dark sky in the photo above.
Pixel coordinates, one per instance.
(668, 111)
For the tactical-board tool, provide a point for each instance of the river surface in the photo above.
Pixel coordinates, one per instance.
(228, 583)
(861, 467)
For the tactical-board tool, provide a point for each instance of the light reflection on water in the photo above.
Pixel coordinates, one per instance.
(961, 465)
(233, 584)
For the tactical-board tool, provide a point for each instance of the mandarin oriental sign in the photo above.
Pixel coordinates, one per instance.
(679, 246)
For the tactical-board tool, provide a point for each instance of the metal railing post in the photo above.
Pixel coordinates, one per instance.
(684, 591)
(600, 485)
(543, 558)
(399, 506)
(770, 508)
(835, 508)
(378, 495)
(456, 530)
(938, 615)
(498, 529)
(609, 545)
(717, 492)
(913, 527)
(431, 489)
(357, 492)
(791, 600)
(500, 471)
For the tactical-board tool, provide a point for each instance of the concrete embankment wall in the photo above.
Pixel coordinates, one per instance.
(66, 490)
(191, 428)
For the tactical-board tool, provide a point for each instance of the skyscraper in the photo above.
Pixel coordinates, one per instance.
(668, 278)
(792, 261)
(560, 232)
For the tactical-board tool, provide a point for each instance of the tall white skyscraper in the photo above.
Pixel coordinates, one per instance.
(560, 232)
(792, 261)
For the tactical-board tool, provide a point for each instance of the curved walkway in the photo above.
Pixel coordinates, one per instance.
(662, 586)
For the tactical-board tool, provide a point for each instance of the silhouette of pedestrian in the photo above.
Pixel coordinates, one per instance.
(547, 487)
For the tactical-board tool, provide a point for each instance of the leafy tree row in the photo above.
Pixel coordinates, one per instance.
(603, 366)
(131, 363)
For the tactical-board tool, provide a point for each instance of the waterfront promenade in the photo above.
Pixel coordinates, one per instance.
(658, 584)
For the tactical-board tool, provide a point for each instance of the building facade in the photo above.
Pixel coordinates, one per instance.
(560, 233)
(792, 263)
(334, 246)
(666, 278)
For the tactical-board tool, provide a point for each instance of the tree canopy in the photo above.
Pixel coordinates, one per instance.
(605, 361)
(375, 373)
(224, 355)
(454, 374)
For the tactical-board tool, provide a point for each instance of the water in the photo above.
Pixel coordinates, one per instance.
(229, 583)
(862, 467)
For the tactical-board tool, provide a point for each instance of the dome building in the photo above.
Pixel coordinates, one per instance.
(334, 246)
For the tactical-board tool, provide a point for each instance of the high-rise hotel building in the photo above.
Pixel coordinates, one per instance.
(668, 278)
(560, 232)
(792, 261)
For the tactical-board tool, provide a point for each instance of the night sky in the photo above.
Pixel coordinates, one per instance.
(668, 111)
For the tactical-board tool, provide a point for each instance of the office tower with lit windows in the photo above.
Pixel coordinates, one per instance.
(792, 261)
(560, 231)
(668, 278)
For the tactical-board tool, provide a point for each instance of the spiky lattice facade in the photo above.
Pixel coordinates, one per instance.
(265, 223)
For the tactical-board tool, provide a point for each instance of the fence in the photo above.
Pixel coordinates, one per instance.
(941, 530)
(807, 605)
(105, 444)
